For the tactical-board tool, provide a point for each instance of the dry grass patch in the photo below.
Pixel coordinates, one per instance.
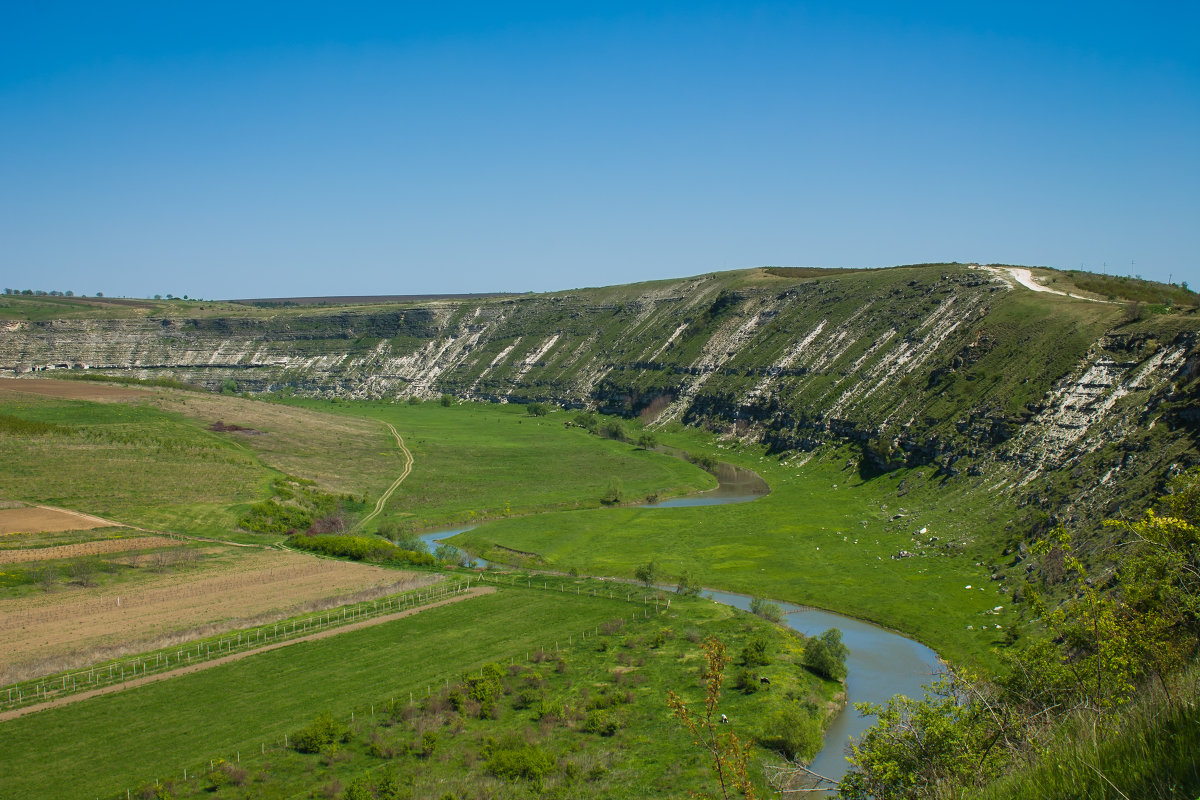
(342, 454)
(71, 390)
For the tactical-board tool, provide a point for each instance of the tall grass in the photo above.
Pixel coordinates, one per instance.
(1151, 751)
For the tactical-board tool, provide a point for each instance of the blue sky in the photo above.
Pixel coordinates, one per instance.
(246, 149)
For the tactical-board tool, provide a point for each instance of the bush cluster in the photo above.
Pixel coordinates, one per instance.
(515, 759)
(825, 655)
(318, 734)
(360, 548)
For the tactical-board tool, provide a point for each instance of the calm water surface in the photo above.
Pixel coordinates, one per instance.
(881, 663)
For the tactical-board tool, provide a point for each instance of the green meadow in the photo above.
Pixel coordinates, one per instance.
(580, 646)
(825, 536)
(126, 461)
(478, 461)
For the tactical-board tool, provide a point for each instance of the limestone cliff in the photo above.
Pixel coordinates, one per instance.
(958, 367)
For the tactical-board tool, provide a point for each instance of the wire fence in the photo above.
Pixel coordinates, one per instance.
(110, 673)
(651, 605)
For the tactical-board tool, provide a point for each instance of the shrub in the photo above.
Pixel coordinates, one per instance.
(226, 774)
(516, 760)
(754, 654)
(486, 686)
(614, 494)
(527, 698)
(613, 626)
(360, 548)
(647, 573)
(270, 516)
(746, 682)
(359, 789)
(825, 655)
(446, 401)
(688, 585)
(548, 709)
(792, 731)
(331, 523)
(600, 722)
(390, 787)
(318, 734)
(614, 430)
(766, 609)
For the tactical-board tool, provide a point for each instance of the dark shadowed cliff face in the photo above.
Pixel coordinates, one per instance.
(961, 368)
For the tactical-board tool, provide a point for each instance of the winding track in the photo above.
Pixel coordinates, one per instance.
(1024, 277)
(383, 498)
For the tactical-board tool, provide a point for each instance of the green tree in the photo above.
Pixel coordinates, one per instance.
(446, 401)
(390, 787)
(825, 655)
(793, 731)
(615, 494)
(918, 744)
(321, 732)
(688, 585)
(359, 789)
(766, 609)
(647, 573)
(754, 653)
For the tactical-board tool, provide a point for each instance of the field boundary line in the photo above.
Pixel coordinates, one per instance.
(387, 495)
(161, 676)
(111, 523)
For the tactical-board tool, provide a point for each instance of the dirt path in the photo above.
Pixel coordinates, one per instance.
(383, 498)
(130, 684)
(1024, 277)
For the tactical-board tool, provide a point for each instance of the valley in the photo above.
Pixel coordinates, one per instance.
(922, 430)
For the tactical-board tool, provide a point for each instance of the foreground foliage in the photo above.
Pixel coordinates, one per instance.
(1098, 701)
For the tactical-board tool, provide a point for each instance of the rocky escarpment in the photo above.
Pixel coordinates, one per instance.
(939, 365)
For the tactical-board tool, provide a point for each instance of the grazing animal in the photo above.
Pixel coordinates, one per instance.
(765, 679)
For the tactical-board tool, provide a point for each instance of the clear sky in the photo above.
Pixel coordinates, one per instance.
(248, 149)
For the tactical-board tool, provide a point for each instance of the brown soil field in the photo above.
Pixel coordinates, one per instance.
(40, 519)
(257, 585)
(216, 662)
(71, 390)
(85, 549)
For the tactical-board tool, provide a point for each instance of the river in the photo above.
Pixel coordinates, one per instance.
(881, 663)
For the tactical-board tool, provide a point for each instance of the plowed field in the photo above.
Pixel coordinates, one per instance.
(85, 549)
(44, 520)
(258, 584)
